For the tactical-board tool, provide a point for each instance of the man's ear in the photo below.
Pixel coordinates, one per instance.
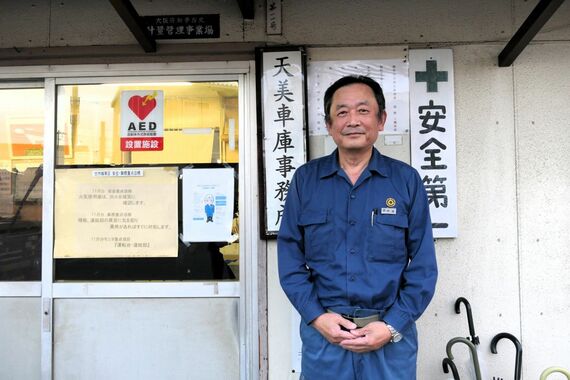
(327, 124)
(382, 121)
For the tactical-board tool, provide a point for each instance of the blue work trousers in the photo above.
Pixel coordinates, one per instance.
(322, 360)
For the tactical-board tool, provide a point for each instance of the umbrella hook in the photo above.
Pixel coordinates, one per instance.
(518, 346)
(473, 353)
(550, 370)
(448, 362)
(458, 302)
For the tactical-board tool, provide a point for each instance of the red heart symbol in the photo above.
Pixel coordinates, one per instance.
(142, 105)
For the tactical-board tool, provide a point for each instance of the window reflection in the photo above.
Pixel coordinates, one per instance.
(200, 124)
(21, 152)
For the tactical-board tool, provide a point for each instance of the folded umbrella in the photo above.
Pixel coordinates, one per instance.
(448, 363)
(472, 349)
(518, 347)
(473, 337)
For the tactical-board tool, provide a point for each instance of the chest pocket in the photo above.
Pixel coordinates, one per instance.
(387, 239)
(318, 227)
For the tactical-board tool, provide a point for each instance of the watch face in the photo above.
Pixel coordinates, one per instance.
(396, 338)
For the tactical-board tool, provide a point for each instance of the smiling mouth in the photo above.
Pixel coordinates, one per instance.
(353, 133)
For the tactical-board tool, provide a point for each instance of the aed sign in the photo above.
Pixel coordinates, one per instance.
(142, 120)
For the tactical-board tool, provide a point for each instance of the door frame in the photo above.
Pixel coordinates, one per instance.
(246, 289)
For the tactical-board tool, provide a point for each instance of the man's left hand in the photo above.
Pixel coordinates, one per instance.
(369, 338)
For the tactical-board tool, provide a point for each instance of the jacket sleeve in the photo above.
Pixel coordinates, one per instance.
(294, 275)
(419, 277)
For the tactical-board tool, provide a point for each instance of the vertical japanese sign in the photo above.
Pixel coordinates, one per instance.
(283, 126)
(273, 17)
(432, 125)
(142, 120)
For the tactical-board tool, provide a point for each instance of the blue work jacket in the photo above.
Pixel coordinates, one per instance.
(367, 245)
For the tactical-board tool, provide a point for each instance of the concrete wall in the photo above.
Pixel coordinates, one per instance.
(511, 257)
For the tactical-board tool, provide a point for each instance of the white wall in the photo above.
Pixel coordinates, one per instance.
(512, 252)
(542, 89)
(511, 257)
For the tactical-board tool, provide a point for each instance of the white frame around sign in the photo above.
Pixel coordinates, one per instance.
(246, 289)
(421, 97)
(299, 135)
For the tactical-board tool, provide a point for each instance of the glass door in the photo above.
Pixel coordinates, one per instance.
(148, 257)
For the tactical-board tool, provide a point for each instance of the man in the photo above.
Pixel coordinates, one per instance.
(356, 252)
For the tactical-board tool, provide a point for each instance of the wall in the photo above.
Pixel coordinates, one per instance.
(512, 252)
(511, 255)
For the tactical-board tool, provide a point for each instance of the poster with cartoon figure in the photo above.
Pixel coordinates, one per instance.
(208, 204)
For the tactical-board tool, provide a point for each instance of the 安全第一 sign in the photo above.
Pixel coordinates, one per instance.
(432, 129)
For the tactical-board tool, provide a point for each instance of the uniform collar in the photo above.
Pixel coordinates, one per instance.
(377, 164)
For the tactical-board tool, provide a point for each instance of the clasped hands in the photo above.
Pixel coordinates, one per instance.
(368, 338)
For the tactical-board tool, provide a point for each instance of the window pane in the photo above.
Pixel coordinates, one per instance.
(200, 124)
(21, 151)
(99, 126)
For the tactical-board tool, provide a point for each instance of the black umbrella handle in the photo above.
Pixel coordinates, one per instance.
(458, 302)
(518, 347)
(447, 362)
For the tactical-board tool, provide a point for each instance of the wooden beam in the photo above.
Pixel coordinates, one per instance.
(247, 9)
(134, 22)
(530, 27)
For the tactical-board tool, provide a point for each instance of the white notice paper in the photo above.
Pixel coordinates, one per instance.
(207, 204)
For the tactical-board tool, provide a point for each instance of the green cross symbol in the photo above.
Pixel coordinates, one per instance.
(431, 76)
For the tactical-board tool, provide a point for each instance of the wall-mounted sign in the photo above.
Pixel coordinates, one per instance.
(282, 115)
(178, 27)
(273, 17)
(142, 120)
(432, 119)
(392, 74)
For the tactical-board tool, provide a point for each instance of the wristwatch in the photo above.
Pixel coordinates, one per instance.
(396, 336)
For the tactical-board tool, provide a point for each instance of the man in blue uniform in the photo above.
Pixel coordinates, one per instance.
(356, 252)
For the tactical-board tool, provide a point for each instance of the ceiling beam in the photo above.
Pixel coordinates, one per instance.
(247, 8)
(530, 27)
(134, 22)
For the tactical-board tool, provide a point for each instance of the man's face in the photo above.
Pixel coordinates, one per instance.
(354, 122)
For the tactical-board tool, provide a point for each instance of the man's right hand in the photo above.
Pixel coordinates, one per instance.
(329, 325)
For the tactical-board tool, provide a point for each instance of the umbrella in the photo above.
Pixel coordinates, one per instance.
(550, 370)
(473, 337)
(461, 300)
(518, 346)
(448, 362)
(473, 350)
